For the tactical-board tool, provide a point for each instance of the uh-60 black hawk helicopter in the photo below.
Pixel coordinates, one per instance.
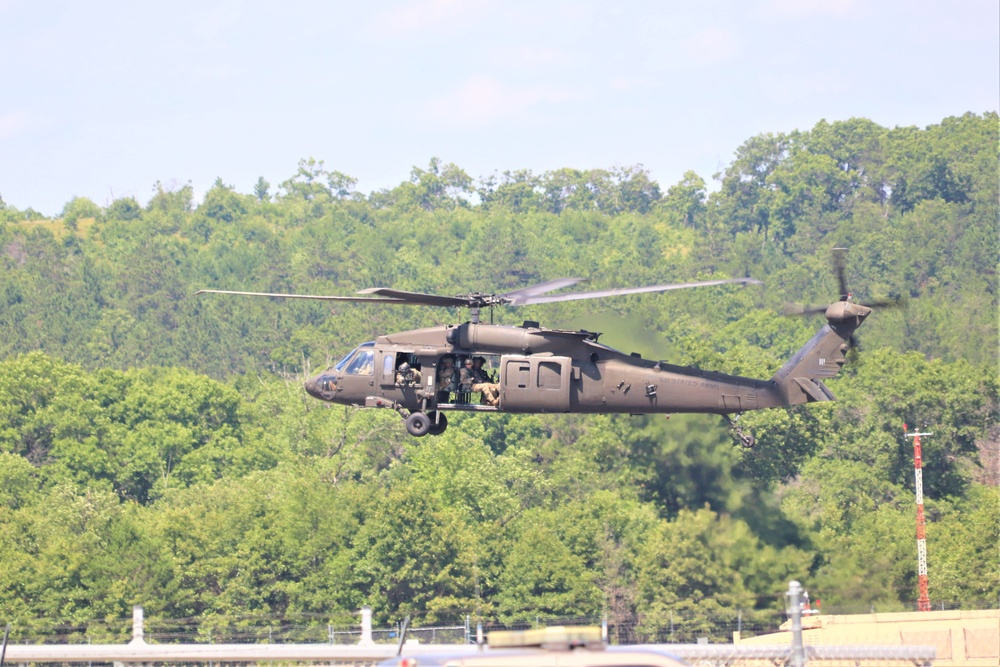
(416, 373)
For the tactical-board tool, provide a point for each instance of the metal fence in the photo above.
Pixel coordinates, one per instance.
(675, 627)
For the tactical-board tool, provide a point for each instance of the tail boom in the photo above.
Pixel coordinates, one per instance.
(801, 379)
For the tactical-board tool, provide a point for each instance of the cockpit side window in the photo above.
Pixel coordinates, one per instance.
(363, 363)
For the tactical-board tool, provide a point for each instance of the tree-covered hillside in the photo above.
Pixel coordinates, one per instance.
(157, 447)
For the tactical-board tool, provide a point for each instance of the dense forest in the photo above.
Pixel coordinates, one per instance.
(157, 448)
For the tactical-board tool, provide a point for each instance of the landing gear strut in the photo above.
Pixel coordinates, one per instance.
(739, 436)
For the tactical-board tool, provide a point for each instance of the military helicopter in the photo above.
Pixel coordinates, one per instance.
(539, 370)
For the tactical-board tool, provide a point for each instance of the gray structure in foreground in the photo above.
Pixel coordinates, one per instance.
(325, 653)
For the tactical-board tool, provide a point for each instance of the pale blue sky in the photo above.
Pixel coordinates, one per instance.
(102, 99)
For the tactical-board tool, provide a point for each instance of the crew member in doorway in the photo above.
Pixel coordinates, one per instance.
(407, 375)
(483, 383)
(447, 378)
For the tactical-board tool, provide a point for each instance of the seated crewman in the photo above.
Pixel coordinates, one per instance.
(447, 378)
(483, 383)
(466, 376)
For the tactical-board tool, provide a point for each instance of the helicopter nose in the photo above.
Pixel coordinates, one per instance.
(320, 386)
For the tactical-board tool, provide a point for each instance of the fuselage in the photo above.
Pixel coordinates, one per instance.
(535, 370)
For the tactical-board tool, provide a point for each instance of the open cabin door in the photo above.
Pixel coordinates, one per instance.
(535, 384)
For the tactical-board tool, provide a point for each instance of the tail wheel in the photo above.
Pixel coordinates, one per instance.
(439, 422)
(418, 424)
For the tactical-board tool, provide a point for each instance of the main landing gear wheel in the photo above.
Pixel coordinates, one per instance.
(439, 422)
(418, 424)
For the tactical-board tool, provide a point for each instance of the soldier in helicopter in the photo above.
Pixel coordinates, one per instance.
(407, 375)
(480, 381)
(447, 378)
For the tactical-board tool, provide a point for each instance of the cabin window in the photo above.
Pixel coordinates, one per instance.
(389, 365)
(549, 375)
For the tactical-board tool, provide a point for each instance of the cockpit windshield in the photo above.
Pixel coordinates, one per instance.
(363, 363)
(354, 355)
(339, 366)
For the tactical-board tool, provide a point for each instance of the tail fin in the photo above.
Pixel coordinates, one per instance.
(801, 379)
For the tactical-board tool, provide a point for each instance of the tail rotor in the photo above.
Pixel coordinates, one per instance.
(840, 268)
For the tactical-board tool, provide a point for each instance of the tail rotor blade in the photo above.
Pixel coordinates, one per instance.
(884, 303)
(797, 309)
(840, 265)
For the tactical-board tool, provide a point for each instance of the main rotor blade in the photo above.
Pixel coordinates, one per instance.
(514, 298)
(574, 296)
(419, 298)
(315, 297)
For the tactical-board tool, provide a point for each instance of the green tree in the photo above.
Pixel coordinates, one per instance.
(77, 208)
(261, 190)
(125, 209)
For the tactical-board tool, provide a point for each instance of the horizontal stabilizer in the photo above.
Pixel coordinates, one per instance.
(815, 390)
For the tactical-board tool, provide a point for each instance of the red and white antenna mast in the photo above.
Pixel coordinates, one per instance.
(923, 603)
